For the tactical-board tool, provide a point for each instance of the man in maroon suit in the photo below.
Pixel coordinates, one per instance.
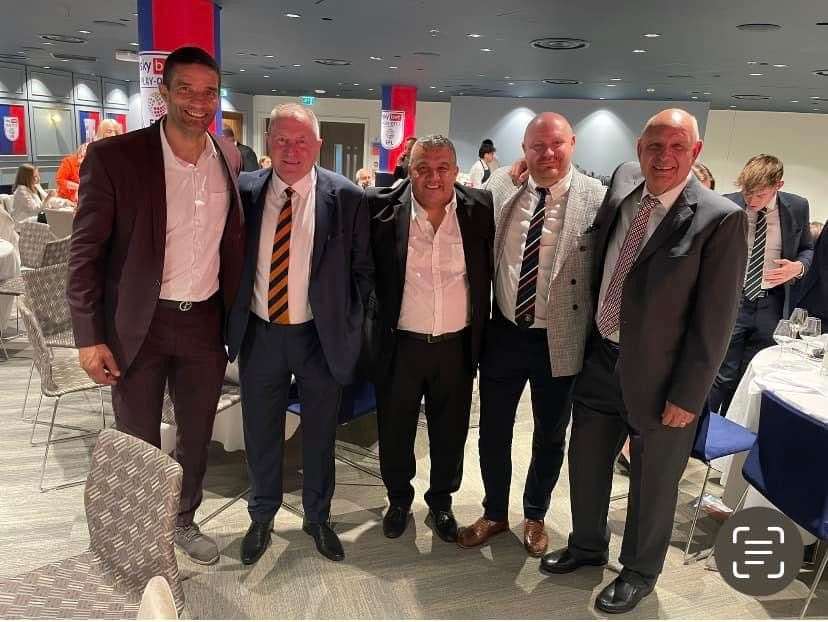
(154, 268)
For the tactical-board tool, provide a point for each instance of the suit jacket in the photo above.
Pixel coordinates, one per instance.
(249, 160)
(390, 210)
(570, 306)
(116, 259)
(797, 244)
(811, 292)
(680, 297)
(341, 273)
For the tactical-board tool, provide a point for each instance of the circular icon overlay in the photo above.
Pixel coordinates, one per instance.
(759, 551)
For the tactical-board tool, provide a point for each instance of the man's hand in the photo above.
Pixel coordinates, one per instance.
(97, 361)
(786, 271)
(676, 417)
(519, 172)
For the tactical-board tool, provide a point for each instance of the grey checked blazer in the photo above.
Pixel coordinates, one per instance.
(570, 307)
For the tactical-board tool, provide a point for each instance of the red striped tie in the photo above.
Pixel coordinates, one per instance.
(277, 296)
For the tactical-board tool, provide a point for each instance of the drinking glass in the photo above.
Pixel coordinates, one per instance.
(784, 333)
(798, 317)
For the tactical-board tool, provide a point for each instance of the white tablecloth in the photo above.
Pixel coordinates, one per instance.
(227, 430)
(9, 268)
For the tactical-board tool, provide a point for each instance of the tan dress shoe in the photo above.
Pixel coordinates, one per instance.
(534, 537)
(480, 532)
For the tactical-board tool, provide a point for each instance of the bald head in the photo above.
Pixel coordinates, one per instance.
(548, 144)
(667, 149)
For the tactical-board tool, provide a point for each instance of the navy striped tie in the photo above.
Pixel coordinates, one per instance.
(528, 283)
(756, 263)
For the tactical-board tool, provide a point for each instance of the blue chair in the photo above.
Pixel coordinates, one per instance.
(787, 465)
(716, 437)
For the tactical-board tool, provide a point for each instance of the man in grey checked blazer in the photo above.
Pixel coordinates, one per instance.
(543, 304)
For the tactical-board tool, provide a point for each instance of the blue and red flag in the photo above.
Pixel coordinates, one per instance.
(88, 122)
(397, 123)
(13, 131)
(120, 118)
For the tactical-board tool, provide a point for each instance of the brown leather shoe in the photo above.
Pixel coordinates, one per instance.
(480, 532)
(534, 537)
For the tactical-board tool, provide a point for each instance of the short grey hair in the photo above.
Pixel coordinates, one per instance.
(436, 141)
(295, 111)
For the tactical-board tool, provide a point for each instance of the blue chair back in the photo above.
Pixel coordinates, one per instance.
(357, 400)
(717, 437)
(789, 464)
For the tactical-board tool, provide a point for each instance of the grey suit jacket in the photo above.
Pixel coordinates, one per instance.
(570, 306)
(680, 297)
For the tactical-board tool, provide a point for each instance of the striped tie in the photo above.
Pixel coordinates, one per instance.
(277, 295)
(527, 285)
(610, 317)
(753, 276)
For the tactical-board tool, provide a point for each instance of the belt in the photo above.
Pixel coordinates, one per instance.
(187, 305)
(431, 338)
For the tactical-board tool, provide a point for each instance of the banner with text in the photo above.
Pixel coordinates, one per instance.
(397, 123)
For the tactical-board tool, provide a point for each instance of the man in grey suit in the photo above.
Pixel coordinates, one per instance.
(542, 310)
(666, 246)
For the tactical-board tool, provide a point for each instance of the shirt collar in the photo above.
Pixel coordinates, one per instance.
(417, 210)
(772, 203)
(169, 155)
(667, 199)
(301, 187)
(556, 190)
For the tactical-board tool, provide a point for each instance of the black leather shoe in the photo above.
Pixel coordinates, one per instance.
(327, 542)
(395, 521)
(255, 541)
(562, 562)
(621, 596)
(442, 521)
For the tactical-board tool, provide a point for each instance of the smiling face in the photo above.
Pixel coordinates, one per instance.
(548, 144)
(433, 173)
(192, 98)
(667, 149)
(293, 146)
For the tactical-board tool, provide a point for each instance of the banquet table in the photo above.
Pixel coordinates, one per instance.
(9, 268)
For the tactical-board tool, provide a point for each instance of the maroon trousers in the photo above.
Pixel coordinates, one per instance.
(185, 350)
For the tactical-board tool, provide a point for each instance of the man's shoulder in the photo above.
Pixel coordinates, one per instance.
(253, 180)
(474, 195)
(793, 200)
(720, 203)
(336, 183)
(128, 143)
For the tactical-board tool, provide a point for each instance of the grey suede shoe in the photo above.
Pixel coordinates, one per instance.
(195, 545)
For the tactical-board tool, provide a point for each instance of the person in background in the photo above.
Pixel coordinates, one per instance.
(29, 195)
(495, 163)
(811, 293)
(401, 170)
(67, 177)
(480, 170)
(250, 162)
(816, 229)
(108, 128)
(704, 175)
(265, 162)
(365, 178)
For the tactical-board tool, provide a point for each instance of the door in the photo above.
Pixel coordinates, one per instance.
(342, 147)
(235, 121)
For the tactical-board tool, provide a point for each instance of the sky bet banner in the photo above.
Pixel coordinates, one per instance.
(399, 115)
(87, 125)
(13, 136)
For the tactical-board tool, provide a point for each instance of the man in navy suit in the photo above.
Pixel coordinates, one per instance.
(780, 251)
(306, 279)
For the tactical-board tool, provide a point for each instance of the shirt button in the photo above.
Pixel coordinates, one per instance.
(582, 248)
(157, 283)
(574, 307)
(573, 281)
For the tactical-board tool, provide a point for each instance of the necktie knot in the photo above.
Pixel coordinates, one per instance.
(289, 192)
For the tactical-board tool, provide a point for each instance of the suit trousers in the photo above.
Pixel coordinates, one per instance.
(752, 332)
(183, 350)
(658, 457)
(269, 355)
(512, 357)
(440, 372)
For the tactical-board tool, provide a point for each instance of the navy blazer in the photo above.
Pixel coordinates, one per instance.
(811, 292)
(797, 244)
(342, 270)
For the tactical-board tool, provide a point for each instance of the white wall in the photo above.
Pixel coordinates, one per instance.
(432, 118)
(243, 103)
(799, 140)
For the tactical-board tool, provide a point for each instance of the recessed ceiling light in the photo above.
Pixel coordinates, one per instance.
(332, 62)
(756, 74)
(64, 60)
(85, 32)
(694, 97)
(296, 65)
(815, 109)
(610, 85)
(759, 27)
(821, 72)
(732, 106)
(320, 91)
(46, 43)
(639, 51)
(562, 81)
(47, 67)
(707, 93)
(269, 56)
(559, 43)
(615, 79)
(327, 19)
(370, 89)
(432, 87)
(511, 83)
(651, 35)
(794, 101)
(340, 84)
(507, 77)
(434, 31)
(486, 50)
(441, 91)
(134, 44)
(63, 38)
(242, 69)
(602, 98)
(293, 15)
(753, 62)
(375, 57)
(481, 75)
(267, 76)
(135, 14)
(754, 97)
(272, 90)
(356, 83)
(474, 35)
(780, 66)
(393, 67)
(338, 95)
(651, 90)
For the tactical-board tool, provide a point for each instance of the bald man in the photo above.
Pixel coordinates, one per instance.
(541, 316)
(669, 268)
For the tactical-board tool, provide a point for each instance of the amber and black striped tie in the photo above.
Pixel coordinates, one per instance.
(277, 296)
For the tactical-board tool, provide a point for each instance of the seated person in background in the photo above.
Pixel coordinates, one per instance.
(704, 175)
(811, 293)
(29, 195)
(265, 162)
(68, 174)
(250, 162)
(816, 229)
(107, 128)
(480, 170)
(364, 178)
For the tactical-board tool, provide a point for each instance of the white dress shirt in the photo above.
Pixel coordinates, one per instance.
(773, 236)
(511, 259)
(628, 211)
(26, 205)
(198, 201)
(302, 227)
(436, 292)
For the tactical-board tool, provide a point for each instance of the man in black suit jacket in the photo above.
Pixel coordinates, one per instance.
(780, 252)
(432, 244)
(307, 274)
(811, 293)
(666, 246)
(250, 162)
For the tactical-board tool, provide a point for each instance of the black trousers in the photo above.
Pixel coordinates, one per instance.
(658, 457)
(512, 357)
(269, 355)
(752, 332)
(440, 372)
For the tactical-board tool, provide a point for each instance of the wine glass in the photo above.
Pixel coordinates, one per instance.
(784, 333)
(810, 331)
(797, 319)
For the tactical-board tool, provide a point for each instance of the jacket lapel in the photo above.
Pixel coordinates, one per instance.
(156, 183)
(786, 226)
(682, 209)
(255, 225)
(504, 221)
(403, 221)
(325, 216)
(464, 221)
(573, 216)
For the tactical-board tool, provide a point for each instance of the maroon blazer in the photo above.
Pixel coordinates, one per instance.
(116, 259)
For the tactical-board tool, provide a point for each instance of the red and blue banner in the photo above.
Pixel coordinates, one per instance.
(120, 118)
(13, 133)
(88, 122)
(164, 25)
(397, 123)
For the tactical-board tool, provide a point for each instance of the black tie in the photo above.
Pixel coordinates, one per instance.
(528, 283)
